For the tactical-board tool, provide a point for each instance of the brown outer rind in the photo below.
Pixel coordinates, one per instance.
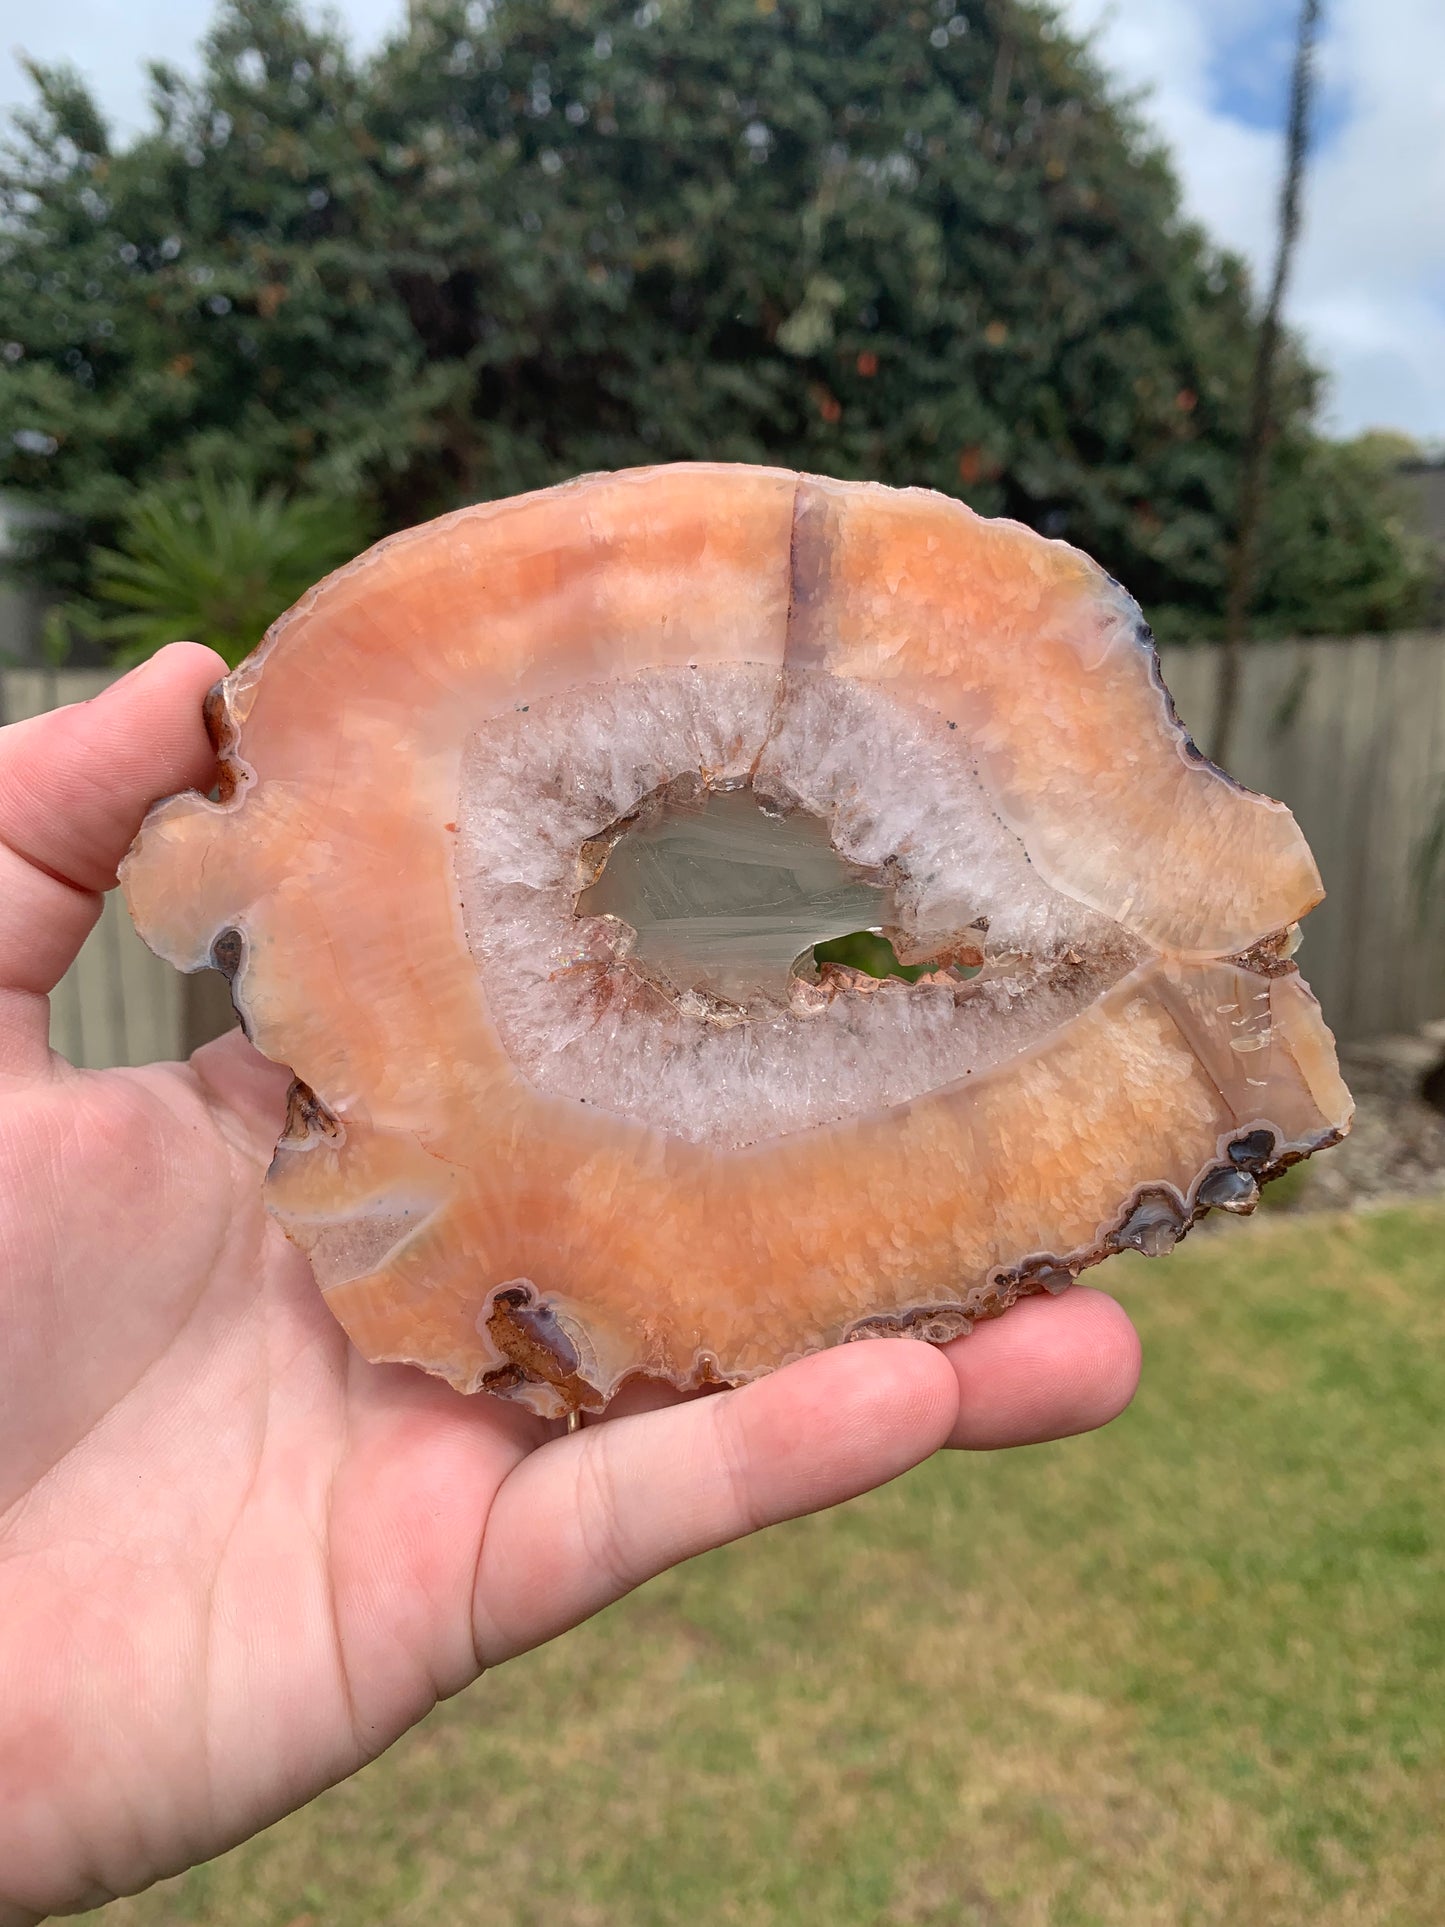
(644, 1252)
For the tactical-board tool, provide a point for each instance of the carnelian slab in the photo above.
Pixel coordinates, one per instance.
(524, 1156)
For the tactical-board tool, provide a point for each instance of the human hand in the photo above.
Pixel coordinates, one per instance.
(236, 1561)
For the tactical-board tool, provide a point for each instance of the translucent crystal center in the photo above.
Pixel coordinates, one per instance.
(725, 895)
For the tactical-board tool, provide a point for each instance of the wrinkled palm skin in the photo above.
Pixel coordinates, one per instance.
(236, 1561)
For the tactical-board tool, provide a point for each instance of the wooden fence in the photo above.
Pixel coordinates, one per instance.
(1351, 734)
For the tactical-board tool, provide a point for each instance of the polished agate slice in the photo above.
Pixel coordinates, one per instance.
(530, 823)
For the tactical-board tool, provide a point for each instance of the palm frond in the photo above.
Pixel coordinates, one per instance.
(214, 560)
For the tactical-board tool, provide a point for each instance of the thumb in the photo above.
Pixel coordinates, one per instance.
(74, 785)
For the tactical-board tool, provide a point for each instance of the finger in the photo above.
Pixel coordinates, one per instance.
(250, 1088)
(644, 1394)
(74, 785)
(590, 1516)
(1051, 1367)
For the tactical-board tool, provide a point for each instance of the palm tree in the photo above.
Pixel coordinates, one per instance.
(215, 561)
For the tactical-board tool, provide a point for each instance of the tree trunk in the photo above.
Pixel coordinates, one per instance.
(1253, 485)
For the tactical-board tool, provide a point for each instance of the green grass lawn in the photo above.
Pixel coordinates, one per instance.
(1190, 1670)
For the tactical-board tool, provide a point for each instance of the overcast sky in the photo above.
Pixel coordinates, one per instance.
(1369, 291)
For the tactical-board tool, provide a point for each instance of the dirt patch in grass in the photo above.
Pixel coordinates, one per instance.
(1396, 1147)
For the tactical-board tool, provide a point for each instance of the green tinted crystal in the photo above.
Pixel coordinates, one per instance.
(725, 895)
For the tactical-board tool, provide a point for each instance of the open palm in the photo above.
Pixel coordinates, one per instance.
(236, 1561)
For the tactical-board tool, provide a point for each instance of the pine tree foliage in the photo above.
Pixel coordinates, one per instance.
(926, 244)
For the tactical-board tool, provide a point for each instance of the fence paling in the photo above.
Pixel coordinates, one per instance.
(1349, 733)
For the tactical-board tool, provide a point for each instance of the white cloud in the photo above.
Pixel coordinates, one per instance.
(1372, 267)
(1369, 290)
(1369, 285)
(110, 44)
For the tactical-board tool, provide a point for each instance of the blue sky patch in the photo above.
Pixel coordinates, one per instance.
(1249, 75)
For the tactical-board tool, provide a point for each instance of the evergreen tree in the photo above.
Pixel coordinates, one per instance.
(925, 244)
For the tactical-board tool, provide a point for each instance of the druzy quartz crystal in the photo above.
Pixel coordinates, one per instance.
(529, 822)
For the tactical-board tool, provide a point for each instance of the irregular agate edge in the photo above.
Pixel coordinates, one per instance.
(459, 1219)
(807, 1242)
